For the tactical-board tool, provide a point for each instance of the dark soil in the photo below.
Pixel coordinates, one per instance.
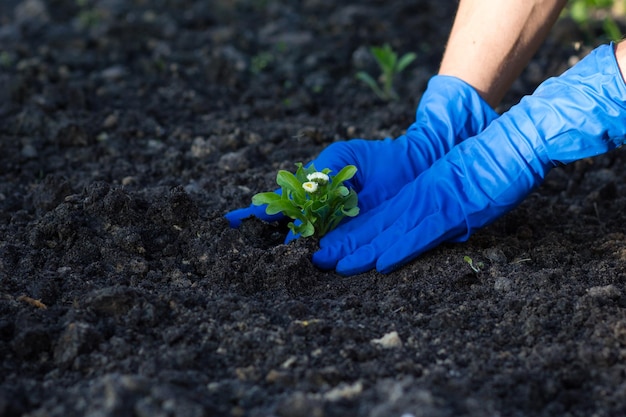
(129, 127)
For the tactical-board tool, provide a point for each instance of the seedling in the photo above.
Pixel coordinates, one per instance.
(476, 267)
(390, 66)
(317, 200)
(261, 62)
(584, 12)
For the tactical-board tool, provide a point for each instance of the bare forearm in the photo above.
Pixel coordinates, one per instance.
(492, 41)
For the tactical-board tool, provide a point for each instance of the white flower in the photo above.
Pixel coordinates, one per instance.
(310, 186)
(318, 177)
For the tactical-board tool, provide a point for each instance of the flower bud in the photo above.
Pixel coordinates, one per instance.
(318, 177)
(310, 186)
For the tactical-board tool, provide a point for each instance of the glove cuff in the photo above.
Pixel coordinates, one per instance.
(582, 112)
(576, 115)
(450, 111)
(472, 112)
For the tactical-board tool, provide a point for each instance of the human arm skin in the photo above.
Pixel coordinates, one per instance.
(492, 41)
(620, 55)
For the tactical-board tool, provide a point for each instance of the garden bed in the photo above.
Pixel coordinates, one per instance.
(129, 128)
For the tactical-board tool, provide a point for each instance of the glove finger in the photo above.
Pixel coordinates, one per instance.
(431, 232)
(235, 217)
(365, 257)
(403, 241)
(347, 238)
(361, 230)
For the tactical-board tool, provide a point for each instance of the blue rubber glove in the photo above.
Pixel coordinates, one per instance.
(580, 114)
(450, 111)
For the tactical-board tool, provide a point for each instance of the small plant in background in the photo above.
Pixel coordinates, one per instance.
(390, 65)
(264, 60)
(316, 199)
(89, 16)
(476, 267)
(6, 59)
(261, 61)
(584, 12)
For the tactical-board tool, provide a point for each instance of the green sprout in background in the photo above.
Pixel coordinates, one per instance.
(6, 59)
(318, 200)
(390, 65)
(584, 12)
(89, 15)
(261, 61)
(476, 266)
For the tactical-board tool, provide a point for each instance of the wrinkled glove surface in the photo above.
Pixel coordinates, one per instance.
(449, 111)
(580, 114)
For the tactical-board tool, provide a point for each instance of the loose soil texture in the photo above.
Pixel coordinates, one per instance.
(128, 128)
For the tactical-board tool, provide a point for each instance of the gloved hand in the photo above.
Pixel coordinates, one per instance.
(450, 111)
(580, 114)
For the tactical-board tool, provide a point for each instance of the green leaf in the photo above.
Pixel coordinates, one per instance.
(345, 174)
(352, 200)
(302, 172)
(321, 212)
(405, 61)
(322, 195)
(265, 198)
(611, 29)
(342, 191)
(305, 229)
(335, 219)
(289, 182)
(385, 56)
(579, 12)
(371, 83)
(352, 212)
(284, 206)
(306, 206)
